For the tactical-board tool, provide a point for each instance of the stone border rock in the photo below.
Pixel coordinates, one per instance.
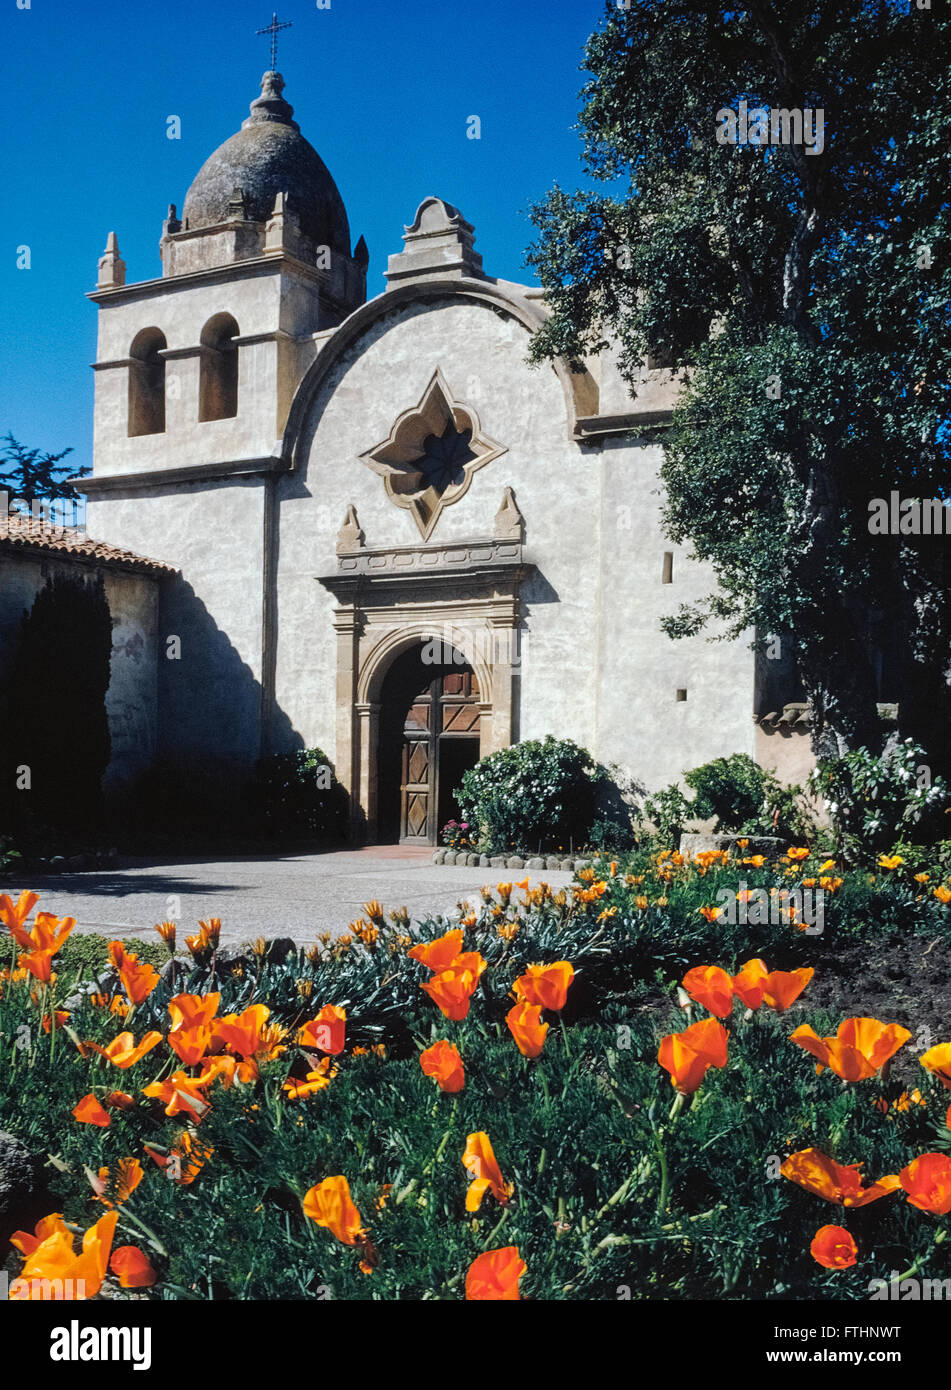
(60, 864)
(756, 844)
(500, 861)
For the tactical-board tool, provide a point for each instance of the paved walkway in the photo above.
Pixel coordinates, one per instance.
(298, 896)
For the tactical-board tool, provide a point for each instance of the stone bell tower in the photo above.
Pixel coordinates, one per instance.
(195, 376)
(199, 367)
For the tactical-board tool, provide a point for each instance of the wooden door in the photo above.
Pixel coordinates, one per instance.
(446, 709)
(418, 782)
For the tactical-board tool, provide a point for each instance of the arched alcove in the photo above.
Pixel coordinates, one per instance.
(218, 378)
(147, 383)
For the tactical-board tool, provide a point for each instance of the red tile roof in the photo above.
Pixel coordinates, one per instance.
(23, 535)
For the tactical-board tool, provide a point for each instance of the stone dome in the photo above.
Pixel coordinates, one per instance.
(267, 156)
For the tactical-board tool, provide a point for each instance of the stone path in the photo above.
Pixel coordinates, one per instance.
(298, 896)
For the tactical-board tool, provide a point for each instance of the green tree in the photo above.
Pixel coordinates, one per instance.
(53, 718)
(30, 473)
(805, 295)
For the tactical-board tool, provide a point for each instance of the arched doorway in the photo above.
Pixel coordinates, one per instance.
(428, 737)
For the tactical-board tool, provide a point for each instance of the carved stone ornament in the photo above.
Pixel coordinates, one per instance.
(428, 460)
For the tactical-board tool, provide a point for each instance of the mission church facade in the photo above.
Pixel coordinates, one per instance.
(383, 534)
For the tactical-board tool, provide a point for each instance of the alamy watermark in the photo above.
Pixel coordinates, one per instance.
(756, 907)
(459, 646)
(772, 125)
(909, 516)
(42, 518)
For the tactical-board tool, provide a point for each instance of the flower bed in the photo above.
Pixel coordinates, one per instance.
(604, 1092)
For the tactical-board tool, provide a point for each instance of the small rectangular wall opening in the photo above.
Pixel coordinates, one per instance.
(667, 573)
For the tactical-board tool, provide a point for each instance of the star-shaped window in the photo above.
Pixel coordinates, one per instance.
(431, 453)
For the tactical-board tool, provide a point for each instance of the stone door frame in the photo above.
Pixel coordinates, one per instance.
(465, 594)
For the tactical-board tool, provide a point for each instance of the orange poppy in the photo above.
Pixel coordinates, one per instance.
(834, 1248)
(689, 1055)
(836, 1182)
(14, 915)
(479, 1161)
(524, 1022)
(55, 1258)
(191, 1042)
(180, 1094)
(317, 1080)
(119, 1100)
(249, 1035)
(88, 1111)
(138, 981)
(927, 1181)
(329, 1204)
(133, 1268)
(62, 1017)
(495, 1275)
(797, 855)
(223, 1069)
(943, 894)
(26, 1242)
(860, 1048)
(443, 1063)
(545, 985)
(327, 1031)
(122, 1051)
(184, 1162)
(756, 985)
(937, 1060)
(711, 987)
(129, 1173)
(439, 954)
(451, 990)
(39, 964)
(193, 1010)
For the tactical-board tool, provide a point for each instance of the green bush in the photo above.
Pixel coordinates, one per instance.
(535, 796)
(297, 794)
(875, 799)
(89, 953)
(738, 795)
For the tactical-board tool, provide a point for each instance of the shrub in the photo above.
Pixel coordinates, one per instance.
(298, 794)
(537, 795)
(89, 953)
(738, 795)
(875, 799)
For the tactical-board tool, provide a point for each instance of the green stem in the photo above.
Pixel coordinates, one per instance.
(126, 1214)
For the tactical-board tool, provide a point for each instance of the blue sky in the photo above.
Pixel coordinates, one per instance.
(382, 89)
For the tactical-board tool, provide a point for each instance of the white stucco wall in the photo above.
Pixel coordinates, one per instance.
(596, 667)
(213, 532)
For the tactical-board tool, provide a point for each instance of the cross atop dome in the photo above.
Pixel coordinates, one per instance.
(274, 29)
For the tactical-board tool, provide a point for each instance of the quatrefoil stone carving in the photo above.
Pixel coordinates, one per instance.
(428, 460)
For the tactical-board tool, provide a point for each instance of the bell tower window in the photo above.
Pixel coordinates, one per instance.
(218, 384)
(147, 383)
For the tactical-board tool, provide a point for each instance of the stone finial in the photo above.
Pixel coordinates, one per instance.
(282, 232)
(350, 537)
(270, 105)
(509, 522)
(172, 222)
(361, 254)
(238, 206)
(111, 265)
(438, 242)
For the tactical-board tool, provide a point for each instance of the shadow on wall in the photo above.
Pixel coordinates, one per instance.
(209, 732)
